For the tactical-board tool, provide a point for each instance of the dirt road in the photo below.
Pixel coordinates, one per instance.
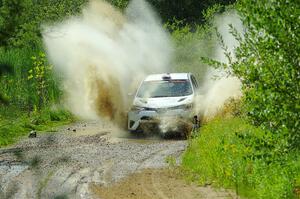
(94, 160)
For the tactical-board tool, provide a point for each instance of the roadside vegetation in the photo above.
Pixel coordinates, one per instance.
(253, 148)
(30, 92)
(230, 152)
(29, 95)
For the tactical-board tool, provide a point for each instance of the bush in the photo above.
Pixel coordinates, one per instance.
(268, 65)
(234, 154)
(257, 155)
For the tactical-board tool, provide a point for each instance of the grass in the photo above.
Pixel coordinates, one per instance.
(30, 91)
(225, 154)
(31, 82)
(15, 124)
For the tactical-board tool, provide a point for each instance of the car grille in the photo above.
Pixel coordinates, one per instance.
(146, 118)
(158, 110)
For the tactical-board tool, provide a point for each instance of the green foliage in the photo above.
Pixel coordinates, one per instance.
(9, 20)
(259, 161)
(24, 28)
(39, 77)
(119, 3)
(4, 68)
(13, 85)
(15, 124)
(32, 84)
(231, 153)
(21, 20)
(268, 65)
(29, 89)
(189, 11)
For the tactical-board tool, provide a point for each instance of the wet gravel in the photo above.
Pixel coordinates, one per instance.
(65, 163)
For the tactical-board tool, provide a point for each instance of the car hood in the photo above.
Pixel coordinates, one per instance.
(163, 102)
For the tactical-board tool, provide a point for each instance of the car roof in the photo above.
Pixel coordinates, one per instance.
(157, 77)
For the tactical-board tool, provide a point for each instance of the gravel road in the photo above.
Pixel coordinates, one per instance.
(94, 160)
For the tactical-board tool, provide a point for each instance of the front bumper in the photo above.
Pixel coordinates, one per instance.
(139, 119)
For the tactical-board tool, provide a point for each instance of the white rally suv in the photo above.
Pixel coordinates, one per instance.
(161, 96)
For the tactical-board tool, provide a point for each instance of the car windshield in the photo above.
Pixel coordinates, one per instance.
(162, 88)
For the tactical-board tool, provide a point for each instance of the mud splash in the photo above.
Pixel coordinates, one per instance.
(219, 84)
(109, 102)
(103, 54)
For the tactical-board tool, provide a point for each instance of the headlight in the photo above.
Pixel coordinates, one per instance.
(137, 108)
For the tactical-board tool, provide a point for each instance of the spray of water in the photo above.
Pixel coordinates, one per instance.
(218, 85)
(103, 54)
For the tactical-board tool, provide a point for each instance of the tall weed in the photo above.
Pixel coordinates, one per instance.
(32, 83)
(232, 153)
(31, 91)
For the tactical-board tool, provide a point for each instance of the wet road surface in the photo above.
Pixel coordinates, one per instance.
(95, 160)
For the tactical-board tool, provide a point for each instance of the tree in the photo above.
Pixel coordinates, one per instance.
(21, 20)
(268, 65)
(11, 17)
(190, 11)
